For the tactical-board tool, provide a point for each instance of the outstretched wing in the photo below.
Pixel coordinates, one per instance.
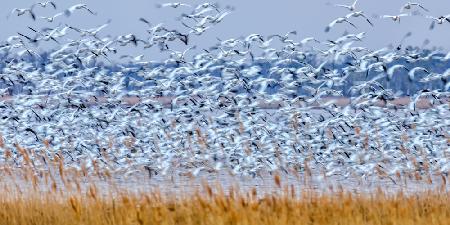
(351, 23)
(419, 5)
(331, 25)
(367, 19)
(343, 6)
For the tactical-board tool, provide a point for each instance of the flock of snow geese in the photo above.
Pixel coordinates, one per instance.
(246, 106)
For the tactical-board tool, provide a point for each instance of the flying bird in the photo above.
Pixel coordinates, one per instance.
(395, 18)
(207, 5)
(358, 14)
(23, 11)
(52, 18)
(438, 20)
(336, 21)
(410, 5)
(351, 7)
(392, 69)
(44, 4)
(68, 12)
(412, 72)
(172, 4)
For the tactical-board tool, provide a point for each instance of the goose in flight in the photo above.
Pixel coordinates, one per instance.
(351, 7)
(68, 12)
(395, 18)
(412, 72)
(207, 5)
(45, 37)
(44, 4)
(392, 69)
(197, 30)
(336, 21)
(23, 11)
(358, 14)
(172, 4)
(354, 37)
(52, 18)
(93, 32)
(308, 39)
(283, 38)
(410, 5)
(438, 20)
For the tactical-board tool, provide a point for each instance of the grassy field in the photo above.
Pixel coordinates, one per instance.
(211, 204)
(59, 195)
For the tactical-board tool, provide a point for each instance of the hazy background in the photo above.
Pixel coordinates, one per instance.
(308, 17)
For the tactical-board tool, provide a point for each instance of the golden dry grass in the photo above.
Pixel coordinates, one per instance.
(59, 195)
(210, 205)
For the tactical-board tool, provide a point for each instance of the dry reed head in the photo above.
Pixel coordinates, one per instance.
(277, 180)
(2, 142)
